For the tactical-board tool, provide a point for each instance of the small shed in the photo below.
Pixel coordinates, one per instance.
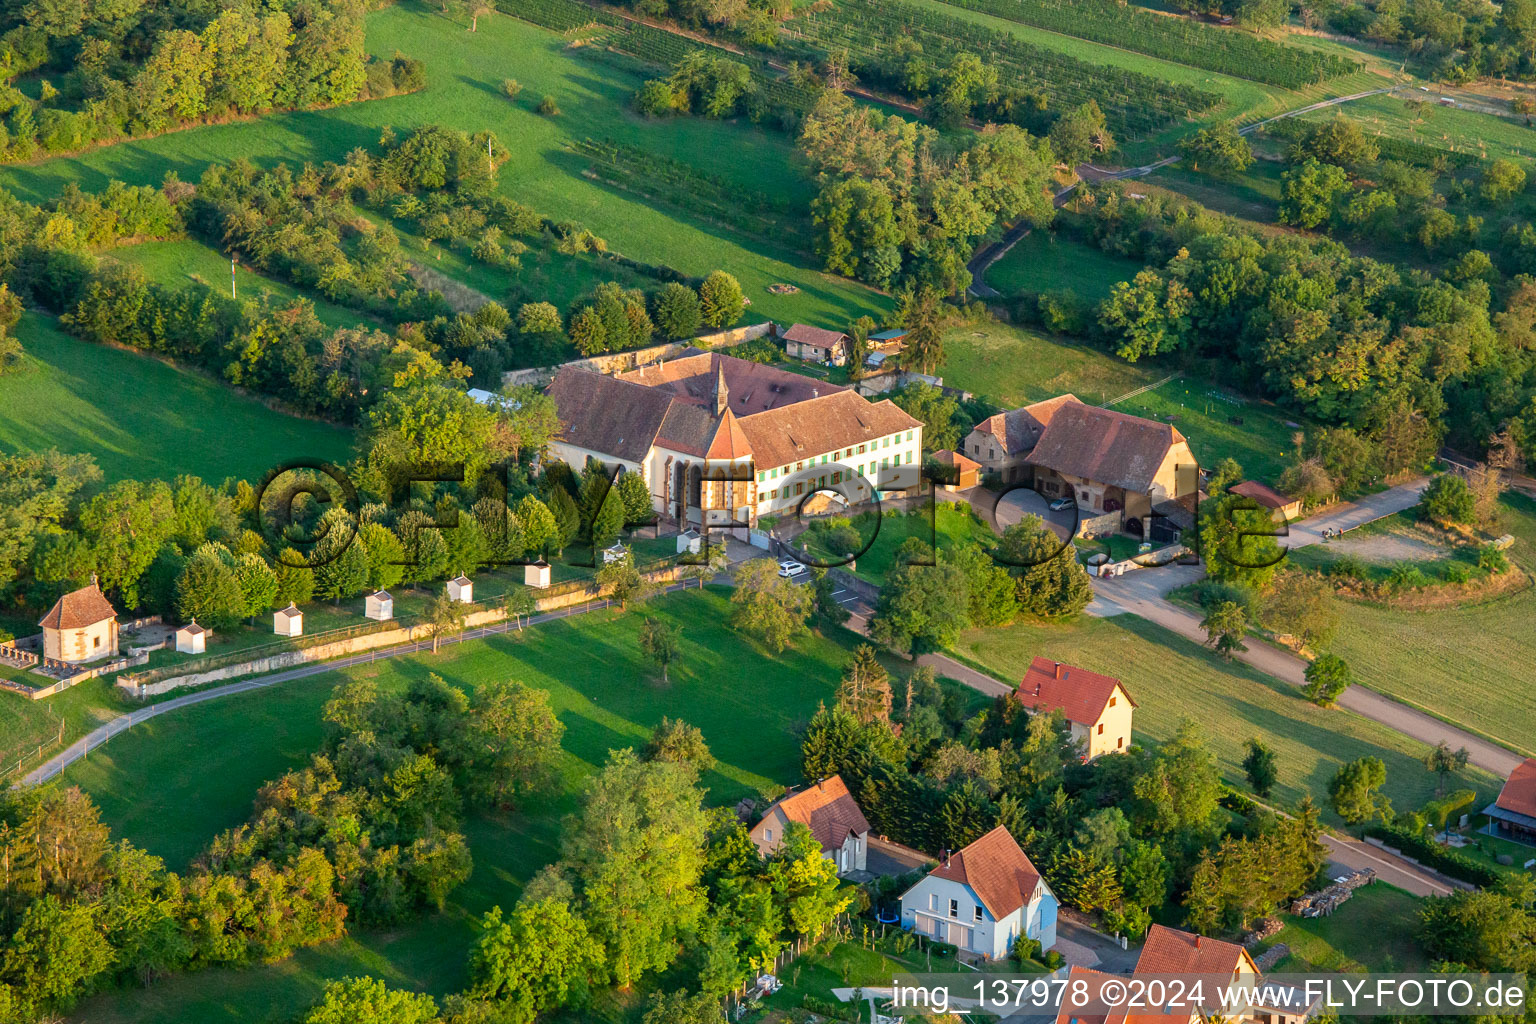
(688, 541)
(460, 589)
(536, 574)
(288, 621)
(1281, 508)
(379, 606)
(616, 553)
(192, 638)
(961, 473)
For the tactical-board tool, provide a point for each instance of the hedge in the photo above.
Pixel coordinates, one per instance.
(1430, 853)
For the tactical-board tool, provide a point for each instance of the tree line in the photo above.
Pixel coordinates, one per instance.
(110, 72)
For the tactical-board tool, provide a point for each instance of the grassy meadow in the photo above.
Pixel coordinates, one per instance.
(1011, 366)
(207, 763)
(1468, 664)
(948, 527)
(1372, 932)
(1043, 261)
(1173, 679)
(1204, 414)
(144, 419)
(464, 75)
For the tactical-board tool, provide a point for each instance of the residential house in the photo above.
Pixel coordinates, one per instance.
(1137, 473)
(722, 441)
(81, 626)
(1098, 709)
(832, 815)
(983, 898)
(1513, 814)
(1282, 509)
(816, 345)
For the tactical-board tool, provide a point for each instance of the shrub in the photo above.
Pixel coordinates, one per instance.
(654, 98)
(1405, 576)
(1439, 812)
(1491, 559)
(1347, 567)
(548, 107)
(1457, 572)
(1427, 851)
(511, 88)
(1025, 949)
(1448, 499)
(1209, 593)
(1053, 960)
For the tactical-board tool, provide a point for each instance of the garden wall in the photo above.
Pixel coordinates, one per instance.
(619, 362)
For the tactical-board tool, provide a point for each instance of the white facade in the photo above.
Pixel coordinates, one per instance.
(379, 606)
(536, 574)
(890, 465)
(950, 911)
(288, 621)
(191, 638)
(461, 590)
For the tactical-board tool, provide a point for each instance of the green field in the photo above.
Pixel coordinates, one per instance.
(1173, 679)
(142, 418)
(187, 260)
(464, 74)
(1043, 261)
(1372, 932)
(947, 528)
(1487, 136)
(171, 784)
(1469, 665)
(1011, 366)
(1261, 443)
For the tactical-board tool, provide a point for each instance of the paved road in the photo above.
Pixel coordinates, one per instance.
(990, 254)
(1144, 593)
(1352, 854)
(101, 734)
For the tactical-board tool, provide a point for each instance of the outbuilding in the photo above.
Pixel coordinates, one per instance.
(288, 621)
(1281, 508)
(191, 638)
(81, 626)
(379, 606)
(460, 589)
(536, 574)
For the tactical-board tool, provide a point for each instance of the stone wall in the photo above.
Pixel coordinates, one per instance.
(360, 644)
(619, 362)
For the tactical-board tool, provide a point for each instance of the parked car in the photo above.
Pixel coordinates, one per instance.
(1062, 504)
(789, 568)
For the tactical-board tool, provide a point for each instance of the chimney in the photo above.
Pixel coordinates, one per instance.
(946, 858)
(1058, 670)
(815, 393)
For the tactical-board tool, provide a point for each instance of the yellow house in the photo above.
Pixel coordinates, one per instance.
(1097, 708)
(81, 626)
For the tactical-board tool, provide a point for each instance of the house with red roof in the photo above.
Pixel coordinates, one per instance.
(983, 898)
(81, 626)
(1281, 508)
(832, 815)
(1513, 814)
(1098, 708)
(816, 344)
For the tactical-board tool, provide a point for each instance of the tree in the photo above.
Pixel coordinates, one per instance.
(1303, 606)
(921, 608)
(1309, 191)
(767, 606)
(209, 591)
(1217, 149)
(1443, 761)
(677, 313)
(385, 556)
(444, 615)
(370, 1001)
(636, 499)
(55, 953)
(804, 882)
(1502, 179)
(681, 1008)
(675, 740)
(258, 585)
(295, 580)
(720, 300)
(939, 412)
(10, 346)
(1327, 678)
(1486, 929)
(621, 581)
(924, 319)
(636, 852)
(588, 332)
(1081, 135)
(661, 644)
(1147, 316)
(1259, 766)
(1448, 500)
(539, 527)
(512, 743)
(1354, 791)
(865, 689)
(1182, 789)
(341, 560)
(539, 958)
(567, 517)
(1226, 625)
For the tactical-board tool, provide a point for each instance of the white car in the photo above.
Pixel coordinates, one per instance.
(1062, 504)
(789, 568)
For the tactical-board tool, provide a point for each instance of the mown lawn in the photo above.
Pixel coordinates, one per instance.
(1470, 665)
(464, 75)
(1173, 679)
(1205, 414)
(946, 528)
(1487, 136)
(172, 784)
(1043, 261)
(1011, 366)
(187, 260)
(145, 419)
(1372, 932)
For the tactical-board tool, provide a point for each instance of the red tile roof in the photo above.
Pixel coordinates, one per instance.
(1081, 696)
(996, 869)
(950, 458)
(1263, 495)
(827, 809)
(1105, 446)
(1018, 430)
(79, 609)
(1070, 1014)
(1171, 951)
(783, 436)
(729, 441)
(1519, 793)
(820, 337)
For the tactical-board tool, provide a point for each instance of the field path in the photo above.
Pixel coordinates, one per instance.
(101, 734)
(1144, 593)
(990, 254)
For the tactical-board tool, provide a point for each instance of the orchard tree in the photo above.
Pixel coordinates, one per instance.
(1444, 761)
(767, 606)
(661, 643)
(1226, 625)
(1328, 676)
